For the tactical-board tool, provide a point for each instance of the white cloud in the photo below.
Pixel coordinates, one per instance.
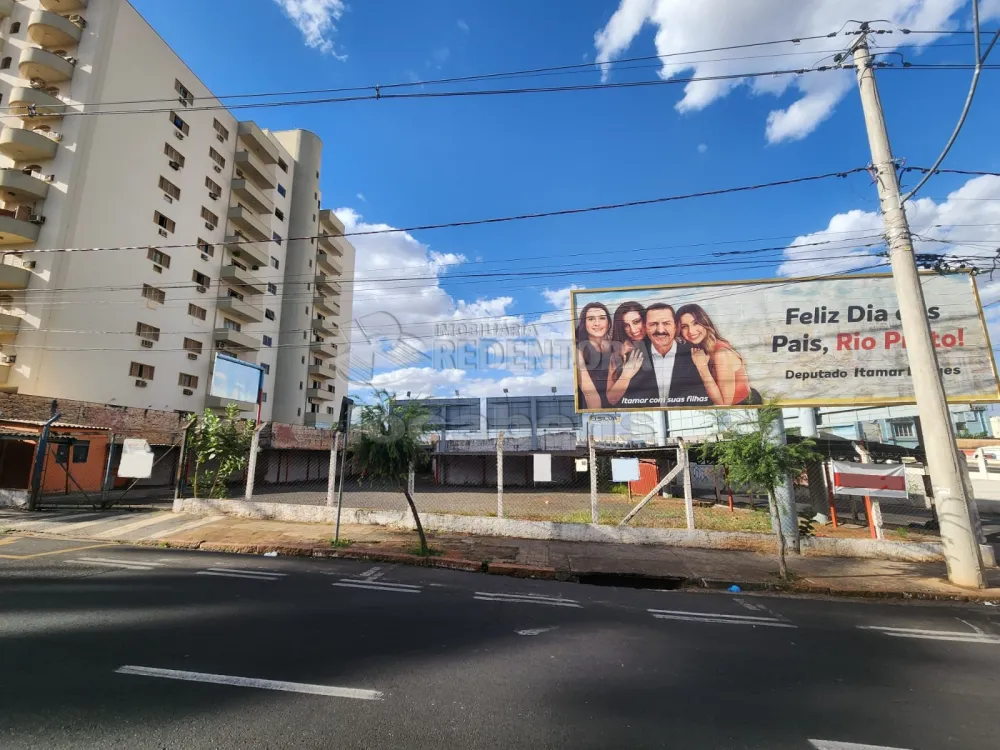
(463, 25)
(316, 19)
(361, 197)
(702, 148)
(682, 26)
(559, 298)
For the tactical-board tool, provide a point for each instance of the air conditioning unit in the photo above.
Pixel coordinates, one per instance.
(157, 269)
(8, 359)
(146, 343)
(163, 232)
(28, 264)
(204, 257)
(201, 289)
(214, 196)
(217, 168)
(175, 165)
(167, 198)
(36, 219)
(209, 225)
(188, 392)
(192, 355)
(57, 137)
(72, 60)
(78, 20)
(178, 135)
(140, 384)
(219, 138)
(49, 177)
(38, 83)
(184, 101)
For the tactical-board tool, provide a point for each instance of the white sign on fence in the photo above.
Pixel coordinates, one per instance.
(543, 467)
(137, 459)
(624, 469)
(581, 464)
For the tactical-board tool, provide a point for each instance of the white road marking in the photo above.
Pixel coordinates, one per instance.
(368, 583)
(99, 563)
(147, 520)
(971, 626)
(489, 596)
(235, 573)
(748, 605)
(674, 614)
(535, 631)
(119, 561)
(221, 679)
(828, 745)
(184, 527)
(49, 521)
(371, 573)
(75, 527)
(933, 635)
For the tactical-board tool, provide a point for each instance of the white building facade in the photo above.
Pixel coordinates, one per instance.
(202, 203)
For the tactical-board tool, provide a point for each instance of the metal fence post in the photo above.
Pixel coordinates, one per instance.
(41, 453)
(331, 479)
(106, 482)
(682, 458)
(499, 475)
(592, 459)
(252, 465)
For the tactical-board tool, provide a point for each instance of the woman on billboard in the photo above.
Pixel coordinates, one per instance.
(628, 335)
(593, 355)
(720, 366)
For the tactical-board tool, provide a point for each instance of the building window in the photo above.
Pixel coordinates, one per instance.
(179, 123)
(173, 154)
(154, 294)
(81, 451)
(266, 340)
(275, 262)
(139, 370)
(508, 414)
(15, 27)
(159, 258)
(263, 397)
(169, 188)
(282, 166)
(298, 412)
(187, 98)
(201, 279)
(266, 368)
(280, 214)
(269, 314)
(232, 325)
(557, 412)
(192, 345)
(272, 288)
(197, 312)
(206, 249)
(220, 130)
(235, 295)
(281, 190)
(903, 430)
(209, 217)
(213, 188)
(147, 332)
(218, 158)
(276, 237)
(164, 222)
(187, 381)
(5, 63)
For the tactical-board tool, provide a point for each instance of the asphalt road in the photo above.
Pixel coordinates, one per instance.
(117, 647)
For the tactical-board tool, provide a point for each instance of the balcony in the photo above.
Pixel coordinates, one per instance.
(258, 142)
(26, 145)
(50, 30)
(328, 220)
(328, 372)
(235, 340)
(34, 104)
(13, 277)
(244, 311)
(252, 167)
(6, 6)
(63, 6)
(328, 265)
(327, 243)
(253, 196)
(322, 349)
(220, 403)
(325, 285)
(325, 327)
(248, 251)
(326, 305)
(17, 231)
(239, 277)
(251, 226)
(44, 65)
(18, 187)
(320, 420)
(318, 394)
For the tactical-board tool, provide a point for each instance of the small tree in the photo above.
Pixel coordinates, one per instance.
(390, 446)
(755, 460)
(221, 448)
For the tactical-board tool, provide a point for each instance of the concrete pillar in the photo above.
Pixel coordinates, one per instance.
(785, 497)
(331, 479)
(592, 461)
(252, 463)
(499, 475)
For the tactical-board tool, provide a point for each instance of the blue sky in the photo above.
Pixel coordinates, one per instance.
(411, 162)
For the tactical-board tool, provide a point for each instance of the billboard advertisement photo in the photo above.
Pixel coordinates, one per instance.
(805, 342)
(235, 379)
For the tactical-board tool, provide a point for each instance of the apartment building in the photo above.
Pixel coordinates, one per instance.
(109, 140)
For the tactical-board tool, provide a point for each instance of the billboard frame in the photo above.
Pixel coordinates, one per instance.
(254, 365)
(859, 401)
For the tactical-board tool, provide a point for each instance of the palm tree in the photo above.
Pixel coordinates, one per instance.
(390, 446)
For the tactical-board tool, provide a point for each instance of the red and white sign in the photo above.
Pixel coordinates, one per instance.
(873, 480)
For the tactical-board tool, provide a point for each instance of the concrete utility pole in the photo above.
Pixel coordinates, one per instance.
(961, 551)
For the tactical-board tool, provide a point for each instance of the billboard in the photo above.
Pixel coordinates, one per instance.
(235, 379)
(806, 342)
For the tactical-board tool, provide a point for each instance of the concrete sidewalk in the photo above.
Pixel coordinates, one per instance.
(678, 566)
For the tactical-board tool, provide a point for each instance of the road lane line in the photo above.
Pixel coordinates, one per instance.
(769, 624)
(513, 599)
(933, 635)
(375, 588)
(252, 682)
(249, 571)
(380, 583)
(828, 745)
(75, 527)
(236, 575)
(118, 561)
(122, 566)
(536, 631)
(152, 518)
(50, 521)
(184, 527)
(971, 626)
(750, 618)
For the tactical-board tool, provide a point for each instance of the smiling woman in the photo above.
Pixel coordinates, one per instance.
(593, 354)
(719, 364)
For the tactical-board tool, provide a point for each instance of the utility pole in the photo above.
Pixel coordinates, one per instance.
(961, 550)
